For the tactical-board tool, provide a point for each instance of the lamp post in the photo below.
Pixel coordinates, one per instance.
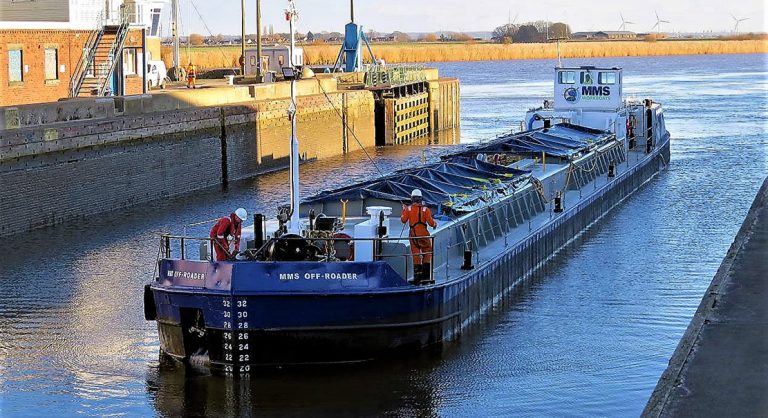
(242, 38)
(295, 227)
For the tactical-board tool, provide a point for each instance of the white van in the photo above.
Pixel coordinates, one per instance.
(156, 74)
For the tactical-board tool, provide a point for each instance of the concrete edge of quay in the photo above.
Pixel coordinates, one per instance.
(685, 352)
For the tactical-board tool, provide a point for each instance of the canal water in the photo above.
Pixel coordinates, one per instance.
(588, 335)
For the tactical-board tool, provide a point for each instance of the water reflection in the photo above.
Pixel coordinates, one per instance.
(394, 388)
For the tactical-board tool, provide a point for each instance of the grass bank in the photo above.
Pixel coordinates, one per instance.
(217, 57)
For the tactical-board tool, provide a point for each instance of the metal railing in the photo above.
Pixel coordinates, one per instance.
(116, 48)
(86, 60)
(104, 70)
(172, 246)
(393, 75)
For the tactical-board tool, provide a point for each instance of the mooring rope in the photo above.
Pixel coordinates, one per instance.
(346, 126)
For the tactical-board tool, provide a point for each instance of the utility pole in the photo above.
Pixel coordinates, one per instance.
(259, 75)
(242, 38)
(175, 30)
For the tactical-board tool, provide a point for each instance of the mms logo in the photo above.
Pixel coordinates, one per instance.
(595, 91)
(571, 95)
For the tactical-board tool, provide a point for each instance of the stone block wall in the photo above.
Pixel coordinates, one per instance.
(59, 172)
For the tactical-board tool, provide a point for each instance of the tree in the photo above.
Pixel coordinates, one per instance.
(196, 39)
(401, 37)
(462, 37)
(559, 30)
(219, 38)
(505, 31)
(528, 34)
(430, 37)
(310, 36)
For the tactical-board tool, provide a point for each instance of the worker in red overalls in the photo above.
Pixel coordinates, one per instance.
(227, 231)
(418, 217)
(191, 76)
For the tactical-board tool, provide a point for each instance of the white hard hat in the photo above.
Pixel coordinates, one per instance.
(242, 214)
(416, 193)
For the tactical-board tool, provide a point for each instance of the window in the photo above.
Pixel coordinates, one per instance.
(155, 28)
(129, 61)
(607, 78)
(567, 77)
(15, 65)
(51, 64)
(586, 78)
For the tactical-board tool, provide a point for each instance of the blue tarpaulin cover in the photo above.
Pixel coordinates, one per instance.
(461, 181)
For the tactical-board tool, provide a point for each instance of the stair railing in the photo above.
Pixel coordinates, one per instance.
(117, 48)
(86, 59)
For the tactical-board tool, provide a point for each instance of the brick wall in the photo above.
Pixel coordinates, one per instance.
(35, 88)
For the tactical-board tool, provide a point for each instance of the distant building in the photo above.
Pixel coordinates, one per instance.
(54, 49)
(605, 35)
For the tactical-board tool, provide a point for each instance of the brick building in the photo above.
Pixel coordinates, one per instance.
(57, 49)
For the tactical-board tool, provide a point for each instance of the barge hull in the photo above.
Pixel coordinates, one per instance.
(422, 316)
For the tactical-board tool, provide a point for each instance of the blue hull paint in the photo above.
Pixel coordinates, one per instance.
(255, 316)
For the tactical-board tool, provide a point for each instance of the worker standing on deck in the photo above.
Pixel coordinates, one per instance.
(191, 76)
(227, 231)
(418, 217)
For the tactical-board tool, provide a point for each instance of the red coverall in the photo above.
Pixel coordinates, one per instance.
(418, 217)
(225, 227)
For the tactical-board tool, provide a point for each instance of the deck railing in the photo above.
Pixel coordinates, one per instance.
(176, 247)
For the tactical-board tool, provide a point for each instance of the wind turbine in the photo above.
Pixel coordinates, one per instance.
(659, 21)
(737, 21)
(511, 21)
(624, 23)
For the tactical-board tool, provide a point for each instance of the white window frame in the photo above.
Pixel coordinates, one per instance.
(21, 65)
(55, 63)
(567, 77)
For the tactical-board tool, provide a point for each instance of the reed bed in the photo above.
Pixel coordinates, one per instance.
(323, 54)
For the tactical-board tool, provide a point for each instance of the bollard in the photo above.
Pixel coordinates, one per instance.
(559, 203)
(467, 265)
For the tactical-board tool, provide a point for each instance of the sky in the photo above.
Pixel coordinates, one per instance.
(223, 16)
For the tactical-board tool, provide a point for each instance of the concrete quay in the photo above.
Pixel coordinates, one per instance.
(66, 160)
(720, 367)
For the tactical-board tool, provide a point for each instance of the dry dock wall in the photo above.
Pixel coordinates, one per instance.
(58, 165)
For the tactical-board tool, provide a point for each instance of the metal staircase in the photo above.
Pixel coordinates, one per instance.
(101, 54)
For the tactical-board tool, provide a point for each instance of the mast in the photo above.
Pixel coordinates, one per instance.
(295, 228)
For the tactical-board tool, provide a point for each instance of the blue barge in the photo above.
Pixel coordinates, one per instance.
(337, 286)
